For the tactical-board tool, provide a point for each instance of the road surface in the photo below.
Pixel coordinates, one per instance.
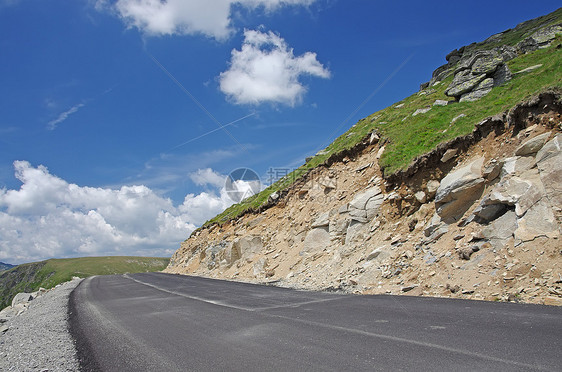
(163, 322)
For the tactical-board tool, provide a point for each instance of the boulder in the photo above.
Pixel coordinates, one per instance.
(479, 91)
(360, 200)
(533, 145)
(486, 65)
(316, 240)
(538, 221)
(502, 75)
(448, 155)
(248, 245)
(458, 190)
(431, 188)
(22, 298)
(549, 164)
(464, 82)
(500, 230)
(322, 220)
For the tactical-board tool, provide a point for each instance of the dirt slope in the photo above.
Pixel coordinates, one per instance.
(483, 224)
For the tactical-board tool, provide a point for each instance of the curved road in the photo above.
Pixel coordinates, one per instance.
(162, 322)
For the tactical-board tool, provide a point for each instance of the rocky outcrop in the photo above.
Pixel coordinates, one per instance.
(540, 39)
(479, 67)
(476, 74)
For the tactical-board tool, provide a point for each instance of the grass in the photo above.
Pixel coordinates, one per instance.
(408, 136)
(47, 274)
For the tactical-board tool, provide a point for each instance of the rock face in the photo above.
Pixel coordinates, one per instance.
(476, 74)
(540, 39)
(458, 190)
(477, 217)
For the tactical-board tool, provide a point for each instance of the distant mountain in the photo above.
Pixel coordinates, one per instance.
(47, 274)
(5, 266)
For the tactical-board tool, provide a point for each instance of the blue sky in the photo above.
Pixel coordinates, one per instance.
(110, 111)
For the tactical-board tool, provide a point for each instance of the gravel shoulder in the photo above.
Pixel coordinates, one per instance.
(39, 338)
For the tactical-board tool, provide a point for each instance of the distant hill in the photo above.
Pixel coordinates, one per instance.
(47, 274)
(5, 266)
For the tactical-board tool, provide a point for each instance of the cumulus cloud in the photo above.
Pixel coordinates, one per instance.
(63, 116)
(49, 217)
(203, 177)
(184, 17)
(266, 70)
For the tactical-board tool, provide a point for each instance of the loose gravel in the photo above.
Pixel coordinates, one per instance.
(39, 339)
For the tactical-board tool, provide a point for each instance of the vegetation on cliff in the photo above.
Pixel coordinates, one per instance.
(407, 135)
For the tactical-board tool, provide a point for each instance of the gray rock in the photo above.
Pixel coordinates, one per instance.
(464, 82)
(458, 190)
(528, 69)
(533, 145)
(431, 188)
(448, 155)
(360, 200)
(21, 298)
(457, 118)
(378, 253)
(492, 170)
(538, 221)
(440, 102)
(420, 197)
(549, 164)
(479, 91)
(516, 165)
(502, 75)
(248, 245)
(540, 39)
(489, 212)
(500, 230)
(421, 111)
(322, 220)
(507, 52)
(353, 230)
(316, 240)
(486, 65)
(373, 206)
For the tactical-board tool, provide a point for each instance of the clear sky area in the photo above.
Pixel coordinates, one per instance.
(119, 120)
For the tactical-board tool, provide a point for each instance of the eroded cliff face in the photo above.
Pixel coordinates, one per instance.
(479, 218)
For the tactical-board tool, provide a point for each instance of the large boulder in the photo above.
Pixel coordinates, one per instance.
(366, 205)
(549, 163)
(458, 190)
(479, 91)
(316, 240)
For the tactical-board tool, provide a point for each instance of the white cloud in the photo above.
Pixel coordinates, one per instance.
(266, 70)
(207, 176)
(49, 217)
(185, 17)
(63, 116)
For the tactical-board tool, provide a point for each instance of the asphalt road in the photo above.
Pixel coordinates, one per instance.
(161, 322)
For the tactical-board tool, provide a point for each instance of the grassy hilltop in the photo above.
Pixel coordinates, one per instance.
(47, 274)
(407, 136)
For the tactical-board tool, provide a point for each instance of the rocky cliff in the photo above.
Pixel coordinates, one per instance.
(477, 217)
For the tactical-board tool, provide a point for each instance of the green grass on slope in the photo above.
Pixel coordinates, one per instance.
(47, 274)
(409, 136)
